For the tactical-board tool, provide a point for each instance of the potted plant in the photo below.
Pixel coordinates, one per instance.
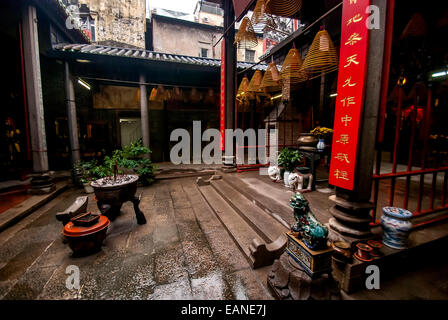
(86, 170)
(289, 159)
(322, 134)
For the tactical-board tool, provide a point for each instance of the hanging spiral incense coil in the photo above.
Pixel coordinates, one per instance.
(292, 68)
(263, 16)
(284, 8)
(416, 27)
(321, 56)
(271, 79)
(246, 37)
(266, 8)
(242, 89)
(255, 82)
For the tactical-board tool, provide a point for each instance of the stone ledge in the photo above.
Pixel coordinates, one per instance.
(25, 208)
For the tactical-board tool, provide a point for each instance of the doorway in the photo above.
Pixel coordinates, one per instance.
(130, 129)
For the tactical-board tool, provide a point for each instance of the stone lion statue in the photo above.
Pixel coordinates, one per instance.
(312, 232)
(274, 173)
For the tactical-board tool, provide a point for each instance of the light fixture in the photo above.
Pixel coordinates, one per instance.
(84, 84)
(277, 96)
(333, 95)
(439, 74)
(82, 60)
(401, 81)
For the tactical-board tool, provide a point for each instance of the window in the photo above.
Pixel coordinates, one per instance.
(250, 55)
(204, 53)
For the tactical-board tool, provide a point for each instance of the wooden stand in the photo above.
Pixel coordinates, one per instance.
(313, 262)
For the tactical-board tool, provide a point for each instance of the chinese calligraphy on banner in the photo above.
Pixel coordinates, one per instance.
(350, 93)
(223, 95)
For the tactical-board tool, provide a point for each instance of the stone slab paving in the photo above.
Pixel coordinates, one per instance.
(183, 252)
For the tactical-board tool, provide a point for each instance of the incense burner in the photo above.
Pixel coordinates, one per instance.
(112, 191)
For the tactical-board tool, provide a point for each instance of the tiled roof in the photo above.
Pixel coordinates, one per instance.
(148, 55)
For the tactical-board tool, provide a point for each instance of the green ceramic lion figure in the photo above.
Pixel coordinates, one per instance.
(313, 233)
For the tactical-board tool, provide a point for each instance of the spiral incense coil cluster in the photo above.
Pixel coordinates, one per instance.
(271, 79)
(321, 56)
(246, 37)
(292, 72)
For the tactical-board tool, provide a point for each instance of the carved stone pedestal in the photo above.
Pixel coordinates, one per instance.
(288, 281)
(41, 183)
(350, 221)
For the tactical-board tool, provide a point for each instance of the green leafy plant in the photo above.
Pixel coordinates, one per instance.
(289, 159)
(134, 157)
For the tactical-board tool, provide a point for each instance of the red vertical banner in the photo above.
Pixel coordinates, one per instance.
(350, 93)
(223, 94)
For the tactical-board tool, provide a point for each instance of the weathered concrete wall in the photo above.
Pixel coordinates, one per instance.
(119, 20)
(179, 38)
(187, 40)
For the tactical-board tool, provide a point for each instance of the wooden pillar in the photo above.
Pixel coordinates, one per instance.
(230, 61)
(351, 218)
(72, 118)
(41, 178)
(34, 89)
(144, 114)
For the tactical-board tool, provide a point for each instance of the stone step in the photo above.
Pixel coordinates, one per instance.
(241, 232)
(264, 224)
(279, 210)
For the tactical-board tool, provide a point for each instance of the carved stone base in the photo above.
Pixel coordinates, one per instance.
(41, 183)
(350, 222)
(288, 281)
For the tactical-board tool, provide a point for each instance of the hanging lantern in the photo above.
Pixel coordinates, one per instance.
(255, 82)
(322, 56)
(416, 27)
(271, 79)
(246, 37)
(292, 68)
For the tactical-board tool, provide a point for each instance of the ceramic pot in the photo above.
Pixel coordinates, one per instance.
(341, 251)
(396, 226)
(321, 145)
(363, 253)
(307, 140)
(376, 246)
(286, 179)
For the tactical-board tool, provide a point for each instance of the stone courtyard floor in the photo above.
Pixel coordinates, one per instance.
(181, 253)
